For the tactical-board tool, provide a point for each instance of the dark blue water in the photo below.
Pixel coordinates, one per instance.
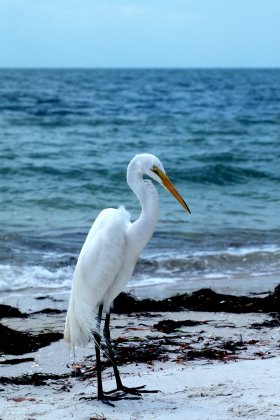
(66, 137)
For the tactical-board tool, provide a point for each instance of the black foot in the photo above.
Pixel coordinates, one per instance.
(138, 390)
(106, 399)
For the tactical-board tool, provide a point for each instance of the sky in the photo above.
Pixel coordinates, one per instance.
(140, 33)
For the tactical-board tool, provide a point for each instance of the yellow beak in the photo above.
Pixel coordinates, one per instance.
(170, 187)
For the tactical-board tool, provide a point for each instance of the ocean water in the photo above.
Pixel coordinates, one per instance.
(66, 137)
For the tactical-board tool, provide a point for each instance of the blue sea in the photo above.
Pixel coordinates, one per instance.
(66, 137)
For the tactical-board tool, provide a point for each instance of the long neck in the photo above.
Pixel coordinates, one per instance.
(142, 229)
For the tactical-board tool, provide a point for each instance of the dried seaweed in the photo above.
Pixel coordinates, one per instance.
(35, 379)
(269, 323)
(168, 325)
(17, 342)
(201, 300)
(7, 311)
(208, 353)
(17, 361)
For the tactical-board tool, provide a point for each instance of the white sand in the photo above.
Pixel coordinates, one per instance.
(192, 390)
(248, 389)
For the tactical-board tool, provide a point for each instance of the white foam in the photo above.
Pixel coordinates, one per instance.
(215, 276)
(241, 252)
(151, 281)
(36, 276)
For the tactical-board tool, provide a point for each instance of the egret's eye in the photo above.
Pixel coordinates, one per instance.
(156, 170)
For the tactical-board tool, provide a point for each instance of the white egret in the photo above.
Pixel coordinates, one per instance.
(106, 263)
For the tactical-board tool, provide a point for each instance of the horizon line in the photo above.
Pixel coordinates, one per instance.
(138, 68)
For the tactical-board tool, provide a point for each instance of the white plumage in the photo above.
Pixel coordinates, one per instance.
(110, 252)
(98, 275)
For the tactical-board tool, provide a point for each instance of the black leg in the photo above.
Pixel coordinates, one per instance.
(97, 339)
(100, 393)
(107, 337)
(120, 387)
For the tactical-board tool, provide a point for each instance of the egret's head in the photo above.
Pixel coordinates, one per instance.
(154, 168)
(150, 165)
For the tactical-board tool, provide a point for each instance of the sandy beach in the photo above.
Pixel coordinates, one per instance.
(210, 365)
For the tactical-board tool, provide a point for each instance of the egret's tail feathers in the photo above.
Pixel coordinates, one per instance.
(79, 327)
(80, 330)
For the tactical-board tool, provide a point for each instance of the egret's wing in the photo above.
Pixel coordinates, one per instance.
(98, 265)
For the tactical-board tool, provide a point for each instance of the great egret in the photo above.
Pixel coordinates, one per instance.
(106, 263)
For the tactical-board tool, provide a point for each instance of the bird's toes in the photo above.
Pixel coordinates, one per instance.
(88, 398)
(117, 394)
(137, 390)
(149, 391)
(113, 391)
(106, 401)
(102, 398)
(132, 391)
